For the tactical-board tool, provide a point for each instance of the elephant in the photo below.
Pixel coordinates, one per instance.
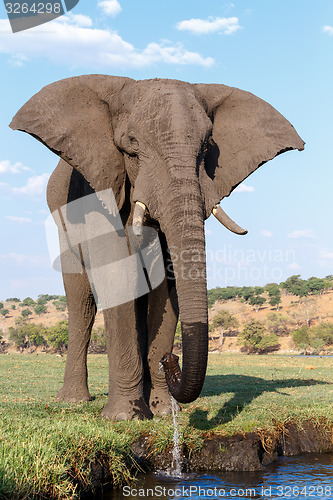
(170, 151)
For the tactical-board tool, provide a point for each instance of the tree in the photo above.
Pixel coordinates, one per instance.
(277, 323)
(247, 292)
(4, 312)
(13, 299)
(316, 285)
(26, 312)
(322, 332)
(296, 286)
(27, 334)
(255, 339)
(1, 305)
(35, 334)
(13, 306)
(301, 337)
(257, 301)
(40, 309)
(57, 335)
(60, 305)
(17, 334)
(28, 301)
(224, 321)
(274, 295)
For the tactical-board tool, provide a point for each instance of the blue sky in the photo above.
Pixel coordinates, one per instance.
(279, 50)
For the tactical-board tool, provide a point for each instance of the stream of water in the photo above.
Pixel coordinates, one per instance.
(305, 477)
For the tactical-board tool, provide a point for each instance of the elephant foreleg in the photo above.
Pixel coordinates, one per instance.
(81, 316)
(162, 322)
(126, 401)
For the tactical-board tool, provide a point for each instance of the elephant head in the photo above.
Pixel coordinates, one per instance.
(183, 148)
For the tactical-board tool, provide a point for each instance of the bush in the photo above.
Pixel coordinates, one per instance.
(40, 309)
(26, 312)
(57, 335)
(223, 322)
(17, 334)
(278, 323)
(255, 339)
(316, 337)
(13, 306)
(301, 337)
(60, 305)
(1, 305)
(27, 334)
(13, 299)
(97, 340)
(4, 312)
(28, 301)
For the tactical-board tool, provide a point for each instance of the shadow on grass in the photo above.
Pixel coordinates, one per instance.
(245, 389)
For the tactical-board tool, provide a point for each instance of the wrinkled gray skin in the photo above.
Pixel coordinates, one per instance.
(179, 149)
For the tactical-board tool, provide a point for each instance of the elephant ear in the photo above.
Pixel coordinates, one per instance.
(72, 118)
(247, 132)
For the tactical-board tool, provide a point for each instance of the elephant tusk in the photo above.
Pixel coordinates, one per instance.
(226, 221)
(139, 212)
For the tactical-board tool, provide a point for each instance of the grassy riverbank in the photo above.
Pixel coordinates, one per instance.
(47, 448)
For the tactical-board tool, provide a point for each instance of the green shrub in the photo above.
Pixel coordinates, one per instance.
(25, 334)
(301, 337)
(57, 335)
(97, 340)
(255, 339)
(26, 312)
(40, 309)
(28, 301)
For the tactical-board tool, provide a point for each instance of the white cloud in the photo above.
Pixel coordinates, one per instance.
(80, 20)
(34, 187)
(225, 25)
(328, 29)
(6, 167)
(266, 233)
(304, 233)
(18, 220)
(294, 266)
(244, 188)
(72, 40)
(110, 7)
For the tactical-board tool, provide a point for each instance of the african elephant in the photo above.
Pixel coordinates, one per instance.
(170, 151)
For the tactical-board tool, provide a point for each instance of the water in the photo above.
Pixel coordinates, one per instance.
(176, 470)
(305, 477)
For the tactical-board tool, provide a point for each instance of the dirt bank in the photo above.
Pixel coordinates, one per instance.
(247, 452)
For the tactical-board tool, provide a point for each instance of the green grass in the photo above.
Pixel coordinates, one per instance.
(47, 448)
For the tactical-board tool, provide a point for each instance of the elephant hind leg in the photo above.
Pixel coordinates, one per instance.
(81, 315)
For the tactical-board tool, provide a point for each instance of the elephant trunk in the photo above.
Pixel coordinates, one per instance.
(184, 230)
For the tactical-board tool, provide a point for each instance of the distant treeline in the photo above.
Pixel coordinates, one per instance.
(256, 295)
(26, 335)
